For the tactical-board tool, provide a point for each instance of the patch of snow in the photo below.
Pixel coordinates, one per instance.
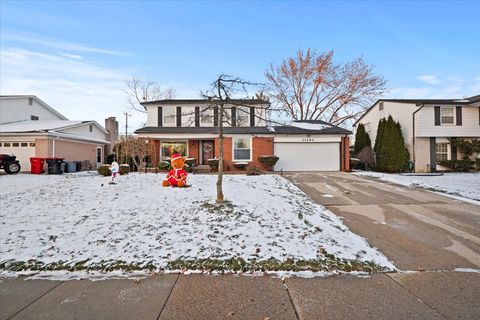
(460, 186)
(309, 126)
(467, 270)
(77, 217)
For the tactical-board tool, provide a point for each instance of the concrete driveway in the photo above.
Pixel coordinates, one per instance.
(416, 229)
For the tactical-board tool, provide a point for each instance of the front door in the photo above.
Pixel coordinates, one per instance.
(208, 151)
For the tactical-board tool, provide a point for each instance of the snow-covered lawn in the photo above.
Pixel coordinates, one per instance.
(459, 185)
(80, 222)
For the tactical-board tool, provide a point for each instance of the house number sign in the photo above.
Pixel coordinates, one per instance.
(308, 140)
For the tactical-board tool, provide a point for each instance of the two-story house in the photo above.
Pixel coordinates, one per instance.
(428, 126)
(29, 127)
(190, 127)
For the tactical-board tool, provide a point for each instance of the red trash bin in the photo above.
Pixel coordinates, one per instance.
(36, 165)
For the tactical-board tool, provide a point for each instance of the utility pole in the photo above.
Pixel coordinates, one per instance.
(126, 122)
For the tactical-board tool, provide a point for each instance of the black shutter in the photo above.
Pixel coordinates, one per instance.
(459, 115)
(252, 116)
(453, 149)
(179, 116)
(197, 116)
(215, 116)
(433, 154)
(234, 116)
(437, 116)
(160, 117)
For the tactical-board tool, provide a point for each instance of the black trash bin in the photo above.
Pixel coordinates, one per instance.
(79, 165)
(55, 165)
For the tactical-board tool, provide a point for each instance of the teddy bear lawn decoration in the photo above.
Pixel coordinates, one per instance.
(177, 177)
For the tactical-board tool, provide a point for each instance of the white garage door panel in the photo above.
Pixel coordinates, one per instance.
(307, 156)
(23, 155)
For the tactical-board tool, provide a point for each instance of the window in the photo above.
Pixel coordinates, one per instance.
(243, 116)
(30, 101)
(442, 152)
(169, 148)
(15, 144)
(99, 155)
(242, 149)
(447, 115)
(0, 144)
(380, 106)
(6, 144)
(90, 128)
(32, 117)
(32, 144)
(206, 116)
(367, 127)
(169, 116)
(24, 144)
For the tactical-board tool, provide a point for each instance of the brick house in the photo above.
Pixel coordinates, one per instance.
(190, 127)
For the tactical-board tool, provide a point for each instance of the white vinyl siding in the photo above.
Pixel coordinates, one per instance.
(18, 109)
(84, 131)
(425, 124)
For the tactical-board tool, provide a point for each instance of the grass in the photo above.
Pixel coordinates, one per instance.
(327, 263)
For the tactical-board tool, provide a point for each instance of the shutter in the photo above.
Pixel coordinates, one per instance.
(437, 116)
(433, 154)
(179, 116)
(459, 115)
(197, 116)
(160, 117)
(453, 149)
(234, 116)
(215, 116)
(252, 116)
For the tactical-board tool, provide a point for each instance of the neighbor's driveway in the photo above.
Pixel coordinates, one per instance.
(414, 228)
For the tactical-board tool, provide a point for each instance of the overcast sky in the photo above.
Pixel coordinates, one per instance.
(76, 56)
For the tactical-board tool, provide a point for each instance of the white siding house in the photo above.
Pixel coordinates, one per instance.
(428, 126)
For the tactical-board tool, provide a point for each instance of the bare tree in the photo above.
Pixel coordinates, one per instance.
(134, 148)
(311, 86)
(226, 92)
(139, 90)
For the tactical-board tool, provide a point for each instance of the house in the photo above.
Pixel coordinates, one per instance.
(190, 127)
(428, 126)
(31, 128)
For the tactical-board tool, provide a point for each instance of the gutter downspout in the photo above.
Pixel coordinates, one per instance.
(413, 142)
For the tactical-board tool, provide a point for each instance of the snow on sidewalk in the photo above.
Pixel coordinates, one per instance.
(460, 185)
(80, 217)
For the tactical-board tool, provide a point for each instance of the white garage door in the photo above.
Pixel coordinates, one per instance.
(322, 156)
(22, 150)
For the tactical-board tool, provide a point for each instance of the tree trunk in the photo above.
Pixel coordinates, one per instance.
(220, 198)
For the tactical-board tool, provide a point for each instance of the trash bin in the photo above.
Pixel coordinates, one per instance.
(79, 165)
(36, 165)
(55, 165)
(71, 166)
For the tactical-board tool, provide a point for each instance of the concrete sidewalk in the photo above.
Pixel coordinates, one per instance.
(423, 295)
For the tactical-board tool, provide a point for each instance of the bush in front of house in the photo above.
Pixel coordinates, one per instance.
(240, 165)
(124, 169)
(457, 165)
(268, 162)
(253, 171)
(104, 170)
(390, 152)
(213, 163)
(362, 139)
(164, 165)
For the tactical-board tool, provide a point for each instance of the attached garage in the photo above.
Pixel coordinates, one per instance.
(316, 156)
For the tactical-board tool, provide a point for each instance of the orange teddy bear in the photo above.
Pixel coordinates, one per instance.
(177, 177)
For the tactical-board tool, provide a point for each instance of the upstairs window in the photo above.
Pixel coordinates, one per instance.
(242, 116)
(169, 116)
(32, 117)
(206, 116)
(447, 115)
(380, 106)
(90, 128)
(30, 101)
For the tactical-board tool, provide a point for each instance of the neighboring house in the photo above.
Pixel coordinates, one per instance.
(428, 126)
(190, 127)
(31, 128)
